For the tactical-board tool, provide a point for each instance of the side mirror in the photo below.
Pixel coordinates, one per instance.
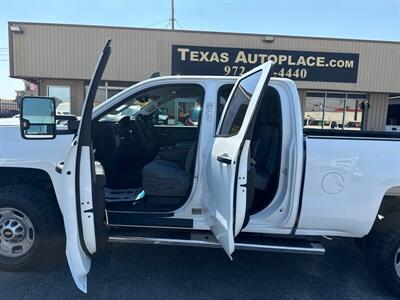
(38, 118)
(334, 125)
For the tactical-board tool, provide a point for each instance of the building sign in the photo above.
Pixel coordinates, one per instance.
(296, 65)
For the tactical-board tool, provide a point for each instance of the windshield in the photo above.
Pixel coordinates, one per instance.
(129, 108)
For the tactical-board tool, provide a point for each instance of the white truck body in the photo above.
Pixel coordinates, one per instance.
(330, 185)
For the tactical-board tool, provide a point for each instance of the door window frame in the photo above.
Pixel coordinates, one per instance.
(229, 100)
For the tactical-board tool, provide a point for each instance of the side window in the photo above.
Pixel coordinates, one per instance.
(170, 105)
(223, 94)
(238, 104)
(181, 111)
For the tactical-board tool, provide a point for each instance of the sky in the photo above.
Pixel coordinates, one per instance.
(358, 19)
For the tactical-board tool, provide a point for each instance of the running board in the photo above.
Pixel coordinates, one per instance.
(272, 245)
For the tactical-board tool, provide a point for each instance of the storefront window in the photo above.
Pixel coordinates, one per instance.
(104, 92)
(334, 111)
(393, 114)
(62, 94)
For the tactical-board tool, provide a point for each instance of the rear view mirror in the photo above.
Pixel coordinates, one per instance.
(37, 118)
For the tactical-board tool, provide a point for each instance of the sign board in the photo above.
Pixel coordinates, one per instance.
(296, 65)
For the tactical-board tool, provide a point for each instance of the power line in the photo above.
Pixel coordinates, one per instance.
(167, 25)
(179, 24)
(159, 23)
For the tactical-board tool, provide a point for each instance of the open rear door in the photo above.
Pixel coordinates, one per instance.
(78, 177)
(227, 171)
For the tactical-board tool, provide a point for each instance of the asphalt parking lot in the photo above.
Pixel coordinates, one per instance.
(165, 272)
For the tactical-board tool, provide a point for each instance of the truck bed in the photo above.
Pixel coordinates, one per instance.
(356, 134)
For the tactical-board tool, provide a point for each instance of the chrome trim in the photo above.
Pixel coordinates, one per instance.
(315, 248)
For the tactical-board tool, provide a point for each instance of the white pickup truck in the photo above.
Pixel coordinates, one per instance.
(243, 175)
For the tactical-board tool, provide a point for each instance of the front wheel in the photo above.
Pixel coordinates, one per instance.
(29, 225)
(383, 251)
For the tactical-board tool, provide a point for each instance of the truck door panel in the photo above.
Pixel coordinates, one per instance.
(228, 165)
(79, 187)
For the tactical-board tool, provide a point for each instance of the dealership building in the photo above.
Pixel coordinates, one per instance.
(353, 83)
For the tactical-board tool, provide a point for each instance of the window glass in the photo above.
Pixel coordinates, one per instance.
(223, 95)
(353, 114)
(393, 114)
(237, 108)
(181, 111)
(334, 108)
(334, 111)
(171, 105)
(103, 93)
(112, 91)
(62, 94)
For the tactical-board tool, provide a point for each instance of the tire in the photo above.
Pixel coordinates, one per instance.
(383, 251)
(32, 218)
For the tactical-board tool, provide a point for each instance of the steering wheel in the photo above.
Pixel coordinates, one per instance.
(144, 131)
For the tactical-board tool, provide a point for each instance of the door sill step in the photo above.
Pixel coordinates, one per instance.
(207, 240)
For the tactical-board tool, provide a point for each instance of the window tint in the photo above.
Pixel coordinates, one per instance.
(182, 110)
(223, 95)
(237, 108)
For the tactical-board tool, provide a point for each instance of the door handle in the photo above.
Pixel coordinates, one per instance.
(224, 159)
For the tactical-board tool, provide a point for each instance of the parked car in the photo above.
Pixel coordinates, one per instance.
(322, 124)
(247, 178)
(352, 125)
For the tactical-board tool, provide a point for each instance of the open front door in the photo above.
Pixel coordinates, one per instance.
(225, 205)
(78, 175)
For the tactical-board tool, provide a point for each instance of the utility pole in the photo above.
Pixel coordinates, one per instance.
(172, 15)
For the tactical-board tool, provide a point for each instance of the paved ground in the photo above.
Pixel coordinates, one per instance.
(165, 272)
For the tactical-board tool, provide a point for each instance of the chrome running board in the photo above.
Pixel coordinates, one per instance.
(272, 245)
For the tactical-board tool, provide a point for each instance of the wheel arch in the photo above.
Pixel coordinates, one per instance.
(389, 204)
(390, 201)
(35, 178)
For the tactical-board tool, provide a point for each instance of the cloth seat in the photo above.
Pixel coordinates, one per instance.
(266, 147)
(167, 178)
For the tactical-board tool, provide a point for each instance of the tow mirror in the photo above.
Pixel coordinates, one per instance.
(37, 118)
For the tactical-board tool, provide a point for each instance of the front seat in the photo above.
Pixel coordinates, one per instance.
(168, 178)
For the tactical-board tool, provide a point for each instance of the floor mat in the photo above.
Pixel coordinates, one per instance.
(124, 195)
